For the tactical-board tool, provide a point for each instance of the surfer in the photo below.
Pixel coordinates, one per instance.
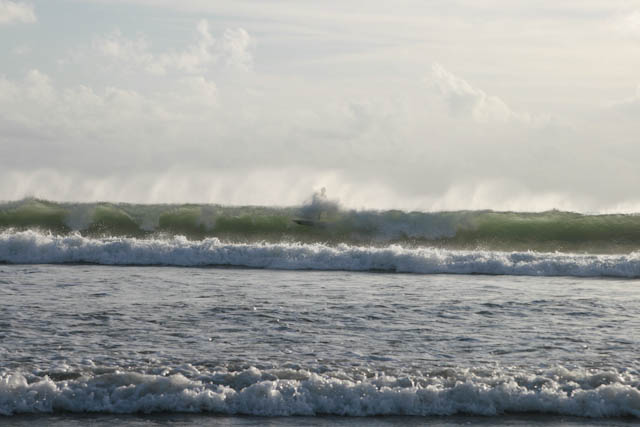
(317, 210)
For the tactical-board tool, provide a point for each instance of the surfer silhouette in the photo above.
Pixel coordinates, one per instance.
(320, 200)
(317, 210)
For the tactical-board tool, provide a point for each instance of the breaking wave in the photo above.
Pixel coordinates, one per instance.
(324, 221)
(288, 392)
(33, 247)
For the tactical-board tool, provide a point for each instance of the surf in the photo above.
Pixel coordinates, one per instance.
(288, 392)
(328, 223)
(33, 247)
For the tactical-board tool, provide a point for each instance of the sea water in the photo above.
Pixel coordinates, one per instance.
(142, 315)
(251, 342)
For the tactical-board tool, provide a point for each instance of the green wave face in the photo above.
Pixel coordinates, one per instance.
(545, 231)
(34, 214)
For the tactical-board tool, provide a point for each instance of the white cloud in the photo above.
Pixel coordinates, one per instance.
(195, 57)
(75, 114)
(347, 111)
(199, 90)
(235, 46)
(128, 52)
(468, 101)
(373, 152)
(628, 24)
(630, 104)
(11, 12)
(22, 50)
(232, 50)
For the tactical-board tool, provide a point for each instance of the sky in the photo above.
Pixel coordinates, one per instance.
(416, 105)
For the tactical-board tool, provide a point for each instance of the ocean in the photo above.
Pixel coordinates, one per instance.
(214, 315)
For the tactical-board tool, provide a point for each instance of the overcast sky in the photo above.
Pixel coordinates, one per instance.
(430, 105)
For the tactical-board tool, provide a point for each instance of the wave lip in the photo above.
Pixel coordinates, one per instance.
(33, 247)
(299, 392)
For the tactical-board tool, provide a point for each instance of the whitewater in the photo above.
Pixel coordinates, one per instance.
(315, 315)
(33, 247)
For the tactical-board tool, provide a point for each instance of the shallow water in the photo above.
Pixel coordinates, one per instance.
(226, 341)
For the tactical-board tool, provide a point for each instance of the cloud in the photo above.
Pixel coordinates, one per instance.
(629, 105)
(117, 143)
(231, 50)
(127, 52)
(13, 12)
(22, 50)
(235, 47)
(76, 117)
(138, 120)
(465, 100)
(628, 24)
(196, 56)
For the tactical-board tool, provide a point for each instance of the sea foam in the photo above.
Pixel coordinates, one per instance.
(33, 247)
(299, 392)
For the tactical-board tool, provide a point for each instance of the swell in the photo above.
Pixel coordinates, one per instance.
(33, 247)
(508, 231)
(290, 392)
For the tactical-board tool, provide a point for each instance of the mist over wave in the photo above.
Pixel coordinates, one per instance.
(323, 221)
